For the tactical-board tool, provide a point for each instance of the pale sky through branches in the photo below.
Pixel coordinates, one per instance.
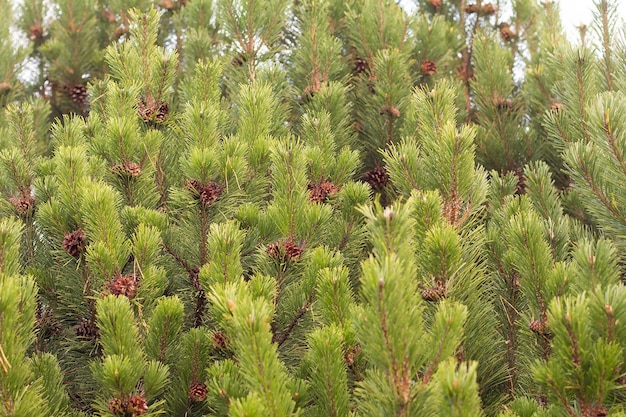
(575, 12)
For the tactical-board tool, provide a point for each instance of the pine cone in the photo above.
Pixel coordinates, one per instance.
(197, 392)
(127, 169)
(220, 340)
(74, 242)
(429, 68)
(506, 32)
(124, 285)
(351, 354)
(78, 93)
(435, 293)
(360, 66)
(5, 87)
(488, 9)
(238, 60)
(116, 406)
(504, 104)
(471, 9)
(430, 294)
(162, 112)
(273, 250)
(319, 192)
(539, 327)
(35, 32)
(136, 405)
(377, 178)
(389, 111)
(24, 202)
(556, 107)
(436, 4)
(86, 329)
(210, 193)
(293, 252)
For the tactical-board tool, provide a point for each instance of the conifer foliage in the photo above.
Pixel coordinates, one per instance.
(313, 208)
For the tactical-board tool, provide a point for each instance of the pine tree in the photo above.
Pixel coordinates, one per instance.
(315, 208)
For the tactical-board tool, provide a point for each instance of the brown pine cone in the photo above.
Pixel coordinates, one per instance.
(127, 169)
(471, 9)
(124, 285)
(74, 242)
(24, 203)
(360, 66)
(389, 111)
(435, 292)
(86, 329)
(436, 4)
(220, 340)
(210, 193)
(35, 32)
(429, 68)
(377, 178)
(273, 250)
(319, 192)
(488, 9)
(197, 392)
(539, 327)
(5, 87)
(136, 405)
(293, 252)
(506, 32)
(78, 93)
(556, 107)
(162, 112)
(116, 406)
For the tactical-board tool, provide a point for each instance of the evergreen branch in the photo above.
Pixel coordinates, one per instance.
(191, 271)
(294, 321)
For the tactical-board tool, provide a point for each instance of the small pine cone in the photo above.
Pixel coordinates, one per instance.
(539, 327)
(116, 406)
(74, 242)
(167, 4)
(429, 68)
(136, 405)
(86, 329)
(78, 94)
(124, 285)
(35, 32)
(488, 9)
(351, 354)
(506, 32)
(308, 92)
(127, 169)
(430, 294)
(318, 193)
(5, 87)
(220, 340)
(210, 193)
(436, 4)
(162, 112)
(389, 111)
(293, 252)
(273, 250)
(360, 66)
(377, 178)
(198, 392)
(471, 8)
(24, 203)
(238, 60)
(194, 186)
(504, 104)
(119, 32)
(556, 107)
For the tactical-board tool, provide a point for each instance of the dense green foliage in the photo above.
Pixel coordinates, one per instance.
(313, 208)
